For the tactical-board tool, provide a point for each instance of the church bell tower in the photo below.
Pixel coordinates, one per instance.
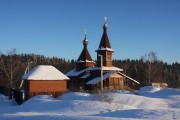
(104, 49)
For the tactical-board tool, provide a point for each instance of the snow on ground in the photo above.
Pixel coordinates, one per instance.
(5, 102)
(151, 103)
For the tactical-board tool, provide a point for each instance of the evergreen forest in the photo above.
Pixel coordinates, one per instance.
(146, 70)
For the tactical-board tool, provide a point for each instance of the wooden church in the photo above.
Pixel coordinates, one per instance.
(87, 74)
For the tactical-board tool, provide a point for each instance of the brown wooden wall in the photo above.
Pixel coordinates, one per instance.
(107, 58)
(115, 82)
(74, 83)
(38, 87)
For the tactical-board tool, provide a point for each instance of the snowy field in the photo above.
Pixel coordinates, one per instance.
(151, 104)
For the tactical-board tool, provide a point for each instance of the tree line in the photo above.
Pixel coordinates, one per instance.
(145, 70)
(13, 66)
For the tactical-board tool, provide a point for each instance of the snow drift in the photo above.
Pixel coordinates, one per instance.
(151, 103)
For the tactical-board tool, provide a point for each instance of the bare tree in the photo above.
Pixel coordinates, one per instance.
(150, 58)
(8, 66)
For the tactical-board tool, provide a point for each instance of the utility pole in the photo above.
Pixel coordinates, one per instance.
(26, 71)
(149, 72)
(101, 71)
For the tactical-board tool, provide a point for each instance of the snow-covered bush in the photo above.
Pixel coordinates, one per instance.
(106, 96)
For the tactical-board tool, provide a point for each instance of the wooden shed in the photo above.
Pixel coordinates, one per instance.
(44, 79)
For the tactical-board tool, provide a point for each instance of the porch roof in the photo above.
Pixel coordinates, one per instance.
(98, 79)
(85, 76)
(112, 68)
(128, 77)
(74, 72)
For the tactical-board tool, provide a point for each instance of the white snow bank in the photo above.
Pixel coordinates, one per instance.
(38, 100)
(76, 96)
(148, 90)
(4, 101)
(156, 92)
(167, 92)
(84, 106)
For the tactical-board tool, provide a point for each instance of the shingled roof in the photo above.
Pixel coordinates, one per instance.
(104, 40)
(104, 43)
(85, 56)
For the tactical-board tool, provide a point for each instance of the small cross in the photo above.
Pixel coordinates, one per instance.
(85, 31)
(105, 19)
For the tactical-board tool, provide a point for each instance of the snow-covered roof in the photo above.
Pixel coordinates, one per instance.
(98, 79)
(106, 49)
(84, 61)
(44, 72)
(112, 68)
(74, 72)
(128, 77)
(85, 76)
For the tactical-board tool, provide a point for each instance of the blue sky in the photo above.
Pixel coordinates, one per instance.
(56, 27)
